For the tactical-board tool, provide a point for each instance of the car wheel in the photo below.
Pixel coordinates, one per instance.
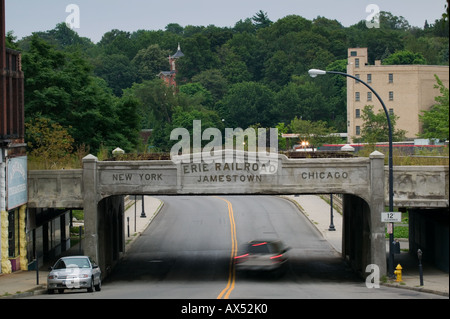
(98, 287)
(61, 291)
(50, 291)
(91, 287)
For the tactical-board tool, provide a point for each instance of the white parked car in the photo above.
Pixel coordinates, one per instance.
(74, 272)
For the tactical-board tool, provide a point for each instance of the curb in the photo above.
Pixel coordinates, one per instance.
(419, 289)
(39, 290)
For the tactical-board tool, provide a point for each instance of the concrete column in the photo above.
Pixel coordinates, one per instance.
(23, 238)
(90, 199)
(378, 241)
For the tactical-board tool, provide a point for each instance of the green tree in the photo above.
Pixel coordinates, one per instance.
(315, 133)
(375, 128)
(118, 42)
(436, 120)
(60, 86)
(174, 28)
(48, 142)
(149, 62)
(61, 37)
(248, 103)
(248, 51)
(156, 102)
(404, 57)
(116, 70)
(198, 56)
(199, 95)
(214, 82)
(261, 20)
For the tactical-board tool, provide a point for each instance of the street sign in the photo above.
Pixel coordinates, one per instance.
(391, 217)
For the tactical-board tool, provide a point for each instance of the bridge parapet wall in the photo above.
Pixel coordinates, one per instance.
(55, 189)
(414, 186)
(288, 176)
(419, 186)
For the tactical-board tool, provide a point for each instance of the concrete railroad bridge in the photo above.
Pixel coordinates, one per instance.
(99, 189)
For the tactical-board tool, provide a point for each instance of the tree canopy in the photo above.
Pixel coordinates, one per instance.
(436, 120)
(253, 73)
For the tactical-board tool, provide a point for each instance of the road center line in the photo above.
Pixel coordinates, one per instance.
(225, 293)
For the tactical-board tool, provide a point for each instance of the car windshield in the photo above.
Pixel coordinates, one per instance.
(72, 263)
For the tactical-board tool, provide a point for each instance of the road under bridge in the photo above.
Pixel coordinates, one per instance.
(100, 186)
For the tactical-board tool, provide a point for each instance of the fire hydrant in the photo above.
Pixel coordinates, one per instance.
(398, 272)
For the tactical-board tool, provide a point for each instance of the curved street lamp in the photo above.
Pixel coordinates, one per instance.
(315, 72)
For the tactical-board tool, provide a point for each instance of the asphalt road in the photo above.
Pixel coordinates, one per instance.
(185, 253)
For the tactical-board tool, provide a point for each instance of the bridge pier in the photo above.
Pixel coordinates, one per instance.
(111, 232)
(363, 234)
(103, 220)
(90, 200)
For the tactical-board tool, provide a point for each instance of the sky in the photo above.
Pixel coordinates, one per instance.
(96, 17)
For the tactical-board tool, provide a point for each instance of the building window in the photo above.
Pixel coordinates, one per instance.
(358, 130)
(369, 78)
(391, 96)
(391, 78)
(391, 112)
(353, 53)
(357, 113)
(356, 63)
(357, 96)
(358, 77)
(369, 96)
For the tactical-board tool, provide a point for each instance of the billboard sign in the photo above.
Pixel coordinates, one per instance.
(16, 194)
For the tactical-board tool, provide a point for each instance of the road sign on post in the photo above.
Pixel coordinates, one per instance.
(391, 217)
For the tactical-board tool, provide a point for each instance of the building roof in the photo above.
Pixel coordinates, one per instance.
(166, 73)
(178, 54)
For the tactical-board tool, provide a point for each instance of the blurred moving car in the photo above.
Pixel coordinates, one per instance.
(74, 272)
(262, 255)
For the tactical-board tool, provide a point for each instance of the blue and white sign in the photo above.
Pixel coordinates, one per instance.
(16, 186)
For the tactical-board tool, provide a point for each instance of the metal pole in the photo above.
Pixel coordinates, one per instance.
(79, 243)
(143, 211)
(391, 170)
(135, 213)
(128, 226)
(419, 254)
(37, 268)
(331, 227)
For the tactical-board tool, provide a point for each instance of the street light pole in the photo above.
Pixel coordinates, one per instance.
(331, 227)
(143, 209)
(313, 73)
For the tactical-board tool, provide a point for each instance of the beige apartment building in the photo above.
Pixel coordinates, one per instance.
(406, 90)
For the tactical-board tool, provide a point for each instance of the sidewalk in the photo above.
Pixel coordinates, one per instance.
(318, 212)
(24, 283)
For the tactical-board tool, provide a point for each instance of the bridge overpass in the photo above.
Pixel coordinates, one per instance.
(99, 188)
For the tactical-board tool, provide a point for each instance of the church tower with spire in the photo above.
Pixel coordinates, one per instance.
(169, 76)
